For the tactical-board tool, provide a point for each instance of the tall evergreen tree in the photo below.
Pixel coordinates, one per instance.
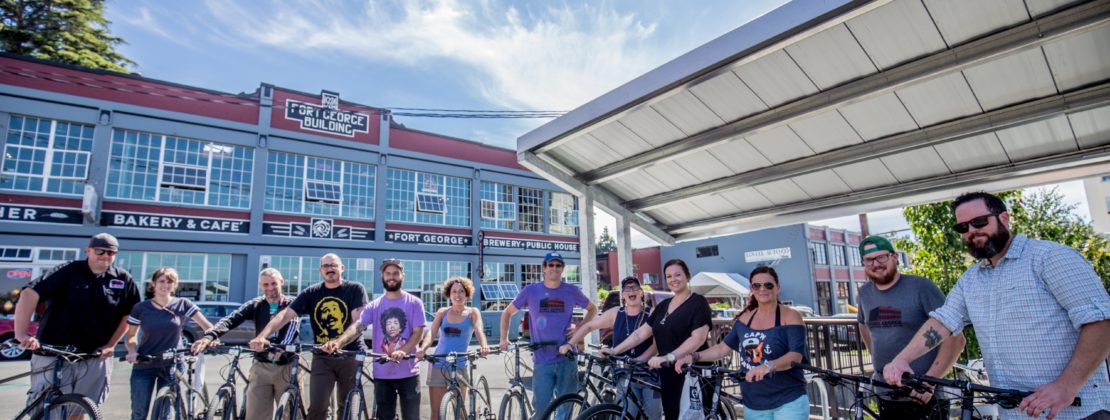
(66, 31)
(606, 242)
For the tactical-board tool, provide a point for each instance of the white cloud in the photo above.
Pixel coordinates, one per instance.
(556, 58)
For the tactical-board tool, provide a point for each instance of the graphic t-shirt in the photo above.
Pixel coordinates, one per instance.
(894, 316)
(393, 321)
(160, 328)
(549, 315)
(329, 310)
(755, 347)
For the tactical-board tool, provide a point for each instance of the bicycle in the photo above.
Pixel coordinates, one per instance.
(168, 402)
(223, 404)
(588, 394)
(291, 403)
(516, 404)
(453, 405)
(356, 405)
(51, 400)
(860, 406)
(722, 404)
(1005, 398)
(625, 371)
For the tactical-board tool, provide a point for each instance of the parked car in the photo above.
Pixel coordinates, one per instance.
(214, 312)
(9, 347)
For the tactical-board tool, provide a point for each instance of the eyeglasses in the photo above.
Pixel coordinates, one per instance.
(329, 265)
(978, 222)
(99, 251)
(554, 265)
(882, 259)
(631, 289)
(768, 286)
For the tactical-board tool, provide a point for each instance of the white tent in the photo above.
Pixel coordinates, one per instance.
(720, 285)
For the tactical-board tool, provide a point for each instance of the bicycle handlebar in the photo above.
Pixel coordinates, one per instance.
(714, 370)
(66, 352)
(1012, 395)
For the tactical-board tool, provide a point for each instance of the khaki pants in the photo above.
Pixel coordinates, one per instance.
(87, 377)
(267, 382)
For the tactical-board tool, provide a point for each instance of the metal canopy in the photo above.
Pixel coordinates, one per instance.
(822, 109)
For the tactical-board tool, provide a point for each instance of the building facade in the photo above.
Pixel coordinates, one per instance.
(817, 266)
(1098, 198)
(221, 185)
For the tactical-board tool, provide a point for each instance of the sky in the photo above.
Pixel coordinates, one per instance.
(441, 54)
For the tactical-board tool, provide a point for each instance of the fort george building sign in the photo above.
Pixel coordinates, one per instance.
(327, 117)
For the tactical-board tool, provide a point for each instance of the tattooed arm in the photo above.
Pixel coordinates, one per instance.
(928, 337)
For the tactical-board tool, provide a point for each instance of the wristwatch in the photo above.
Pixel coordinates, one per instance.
(670, 357)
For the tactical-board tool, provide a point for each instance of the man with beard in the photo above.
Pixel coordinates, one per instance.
(1024, 297)
(270, 372)
(892, 307)
(398, 319)
(331, 306)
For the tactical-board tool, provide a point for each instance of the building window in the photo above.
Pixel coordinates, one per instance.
(159, 168)
(842, 298)
(16, 254)
(838, 255)
(571, 274)
(46, 156)
(319, 186)
(530, 273)
(817, 250)
(201, 277)
(563, 214)
(529, 209)
(498, 208)
(59, 255)
(498, 286)
(300, 272)
(854, 258)
(824, 298)
(1106, 178)
(706, 251)
(425, 280)
(418, 197)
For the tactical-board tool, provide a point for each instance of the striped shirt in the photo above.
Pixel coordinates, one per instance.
(1027, 312)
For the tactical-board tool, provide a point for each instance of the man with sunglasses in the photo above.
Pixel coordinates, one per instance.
(1039, 310)
(892, 307)
(87, 303)
(331, 307)
(551, 308)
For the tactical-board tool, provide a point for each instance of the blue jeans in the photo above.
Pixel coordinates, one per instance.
(550, 380)
(143, 383)
(651, 399)
(794, 410)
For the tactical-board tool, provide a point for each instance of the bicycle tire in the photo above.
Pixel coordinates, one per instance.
(223, 407)
(58, 407)
(483, 409)
(354, 406)
(512, 407)
(725, 411)
(288, 407)
(566, 403)
(606, 411)
(451, 408)
(165, 405)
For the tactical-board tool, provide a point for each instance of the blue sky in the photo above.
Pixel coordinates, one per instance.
(483, 54)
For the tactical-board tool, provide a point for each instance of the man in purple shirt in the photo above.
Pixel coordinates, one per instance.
(398, 320)
(550, 305)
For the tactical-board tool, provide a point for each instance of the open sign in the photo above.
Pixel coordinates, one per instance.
(19, 274)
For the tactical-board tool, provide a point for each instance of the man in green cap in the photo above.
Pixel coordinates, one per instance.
(892, 307)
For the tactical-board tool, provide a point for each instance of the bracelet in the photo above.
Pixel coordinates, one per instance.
(770, 365)
(695, 356)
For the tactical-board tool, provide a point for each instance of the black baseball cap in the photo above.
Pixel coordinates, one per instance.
(104, 241)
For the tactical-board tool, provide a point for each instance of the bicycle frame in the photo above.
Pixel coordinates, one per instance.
(624, 365)
(453, 383)
(44, 399)
(231, 381)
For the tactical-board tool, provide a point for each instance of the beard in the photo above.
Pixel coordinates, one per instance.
(884, 279)
(391, 286)
(994, 244)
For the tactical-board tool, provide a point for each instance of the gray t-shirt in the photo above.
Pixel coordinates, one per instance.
(160, 328)
(894, 315)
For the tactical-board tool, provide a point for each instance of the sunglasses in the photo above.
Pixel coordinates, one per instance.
(554, 265)
(768, 286)
(99, 251)
(978, 222)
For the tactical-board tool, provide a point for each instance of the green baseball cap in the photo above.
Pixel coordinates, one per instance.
(880, 243)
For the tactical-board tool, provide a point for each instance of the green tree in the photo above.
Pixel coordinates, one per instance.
(606, 243)
(67, 31)
(939, 253)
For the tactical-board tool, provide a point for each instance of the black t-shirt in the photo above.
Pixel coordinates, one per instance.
(82, 308)
(329, 310)
(670, 330)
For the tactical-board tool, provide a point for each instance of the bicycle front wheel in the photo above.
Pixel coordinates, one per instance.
(73, 406)
(354, 407)
(566, 407)
(512, 407)
(483, 410)
(452, 406)
(604, 412)
(289, 407)
(223, 407)
(165, 405)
